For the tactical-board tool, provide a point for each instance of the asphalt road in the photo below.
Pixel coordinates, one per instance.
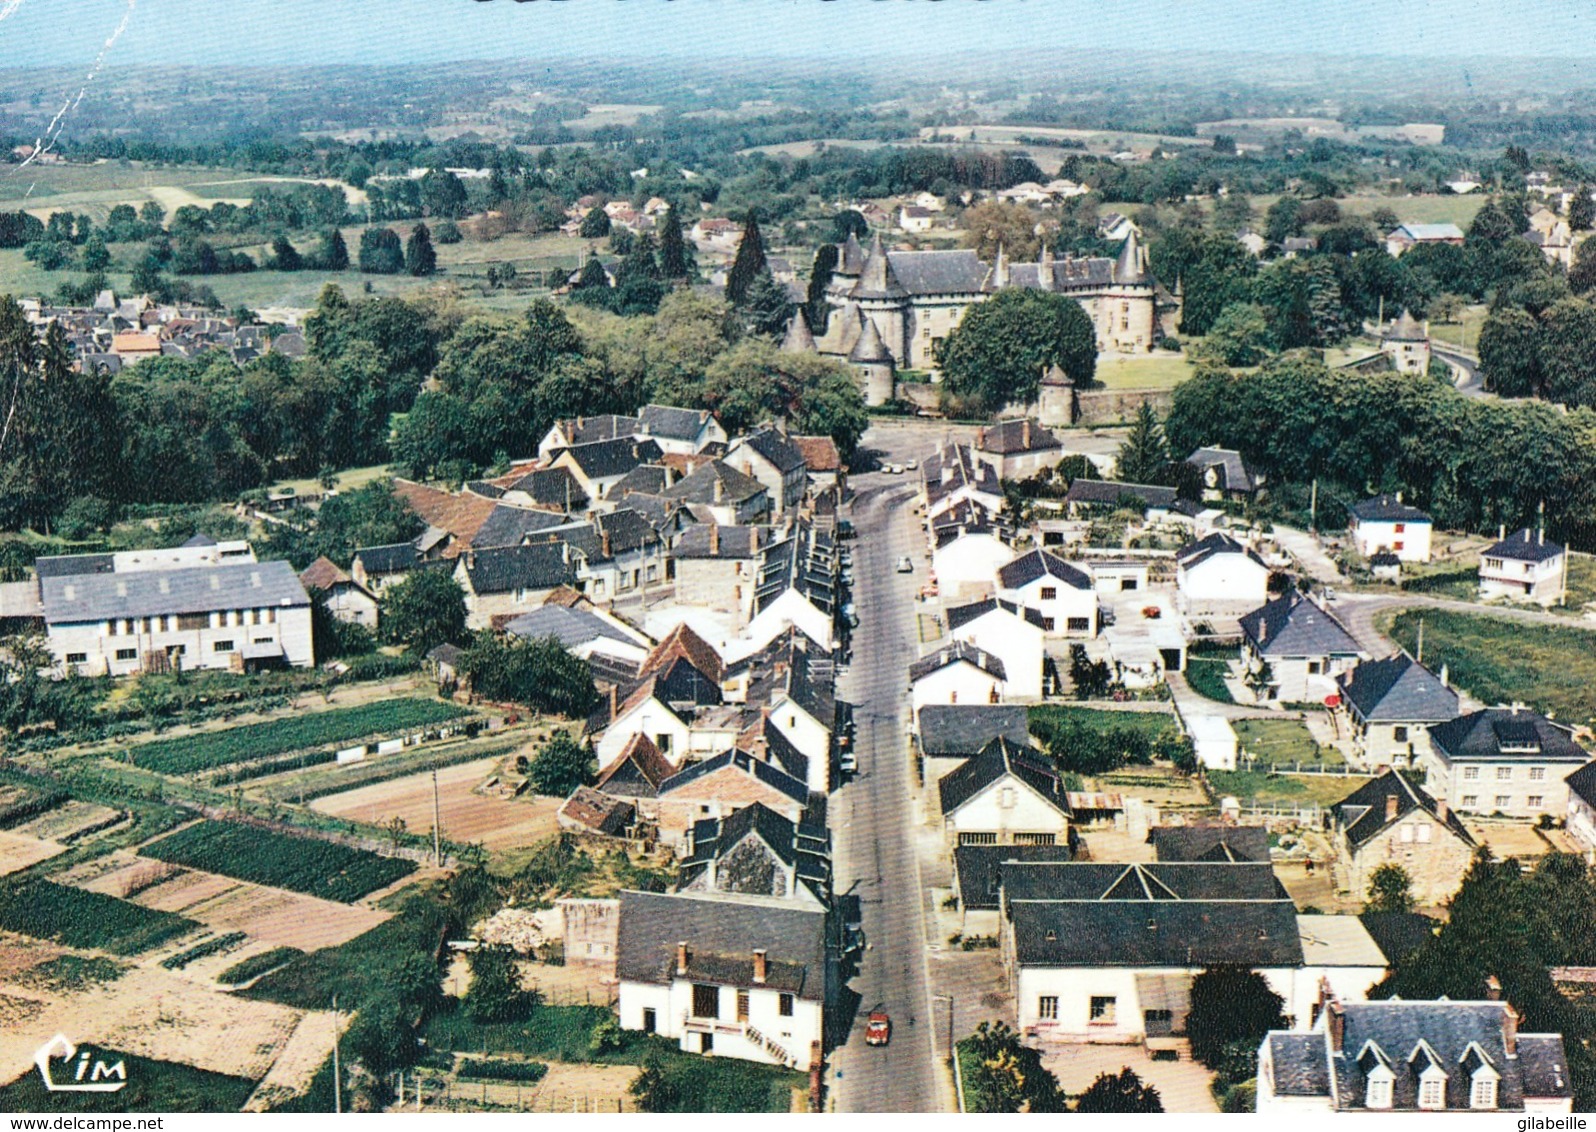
(872, 823)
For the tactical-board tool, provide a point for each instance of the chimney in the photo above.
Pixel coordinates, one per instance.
(1399, 497)
(720, 489)
(604, 542)
(1390, 807)
(681, 957)
(980, 438)
(1445, 676)
(1325, 998)
(1336, 1024)
(1510, 1030)
(1493, 989)
(1025, 435)
(1441, 809)
(1501, 531)
(753, 541)
(714, 539)
(760, 967)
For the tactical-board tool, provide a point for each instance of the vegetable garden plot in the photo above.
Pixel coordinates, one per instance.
(301, 864)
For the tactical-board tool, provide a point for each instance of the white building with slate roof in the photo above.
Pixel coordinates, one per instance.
(1300, 645)
(1506, 760)
(229, 615)
(1385, 523)
(1061, 592)
(1414, 1056)
(1392, 704)
(1524, 566)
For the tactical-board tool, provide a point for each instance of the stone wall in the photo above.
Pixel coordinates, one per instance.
(1112, 406)
(591, 930)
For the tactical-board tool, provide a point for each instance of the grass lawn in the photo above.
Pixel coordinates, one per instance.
(1277, 742)
(1206, 666)
(152, 1086)
(1460, 582)
(1550, 667)
(1285, 789)
(346, 480)
(1161, 370)
(1581, 579)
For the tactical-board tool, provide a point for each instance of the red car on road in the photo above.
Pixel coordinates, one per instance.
(878, 1029)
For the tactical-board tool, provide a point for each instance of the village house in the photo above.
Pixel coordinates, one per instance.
(1210, 842)
(1407, 343)
(717, 568)
(1414, 1056)
(913, 218)
(506, 581)
(1385, 523)
(684, 431)
(1087, 497)
(1502, 760)
(978, 881)
(1295, 649)
(1012, 633)
(1392, 704)
(725, 495)
(344, 598)
(965, 560)
(1064, 595)
(1524, 566)
(757, 852)
(731, 975)
(948, 734)
(635, 775)
(776, 462)
(797, 588)
(1009, 794)
(1018, 449)
(584, 633)
(1107, 952)
(1225, 475)
(596, 466)
(116, 615)
(573, 431)
(1388, 822)
(957, 673)
(1405, 236)
(822, 462)
(953, 476)
(722, 784)
(1218, 576)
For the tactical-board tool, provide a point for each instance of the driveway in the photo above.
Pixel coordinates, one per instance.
(1181, 1085)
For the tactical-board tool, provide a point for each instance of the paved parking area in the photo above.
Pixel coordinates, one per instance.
(1182, 1085)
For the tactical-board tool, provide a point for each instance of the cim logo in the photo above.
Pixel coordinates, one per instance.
(80, 1070)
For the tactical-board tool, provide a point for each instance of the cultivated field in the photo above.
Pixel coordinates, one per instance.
(77, 918)
(498, 823)
(18, 852)
(271, 917)
(65, 821)
(304, 864)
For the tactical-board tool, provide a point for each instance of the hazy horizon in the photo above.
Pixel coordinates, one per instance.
(45, 33)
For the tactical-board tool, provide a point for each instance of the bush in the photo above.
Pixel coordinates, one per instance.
(246, 969)
(497, 1069)
(1240, 1098)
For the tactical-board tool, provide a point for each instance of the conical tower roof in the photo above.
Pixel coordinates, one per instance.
(850, 256)
(1405, 329)
(998, 277)
(799, 340)
(870, 349)
(1131, 266)
(876, 280)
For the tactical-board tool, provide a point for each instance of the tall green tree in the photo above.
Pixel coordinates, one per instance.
(1230, 1006)
(285, 257)
(1582, 209)
(816, 308)
(673, 258)
(539, 673)
(595, 224)
(767, 306)
(560, 766)
(420, 256)
(332, 254)
(1510, 353)
(1001, 347)
(443, 195)
(425, 610)
(749, 262)
(1239, 336)
(1390, 889)
(496, 993)
(381, 252)
(1144, 453)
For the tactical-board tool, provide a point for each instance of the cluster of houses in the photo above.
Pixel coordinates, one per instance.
(116, 332)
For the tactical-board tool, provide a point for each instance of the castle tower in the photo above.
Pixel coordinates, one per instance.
(1407, 343)
(883, 300)
(798, 340)
(873, 362)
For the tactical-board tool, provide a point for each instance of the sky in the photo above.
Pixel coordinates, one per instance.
(197, 32)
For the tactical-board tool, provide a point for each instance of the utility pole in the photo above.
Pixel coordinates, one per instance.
(437, 837)
(1313, 508)
(338, 1077)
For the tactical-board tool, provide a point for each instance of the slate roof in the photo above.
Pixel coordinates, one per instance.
(671, 422)
(637, 771)
(1292, 625)
(963, 730)
(1361, 814)
(1583, 783)
(804, 848)
(1166, 933)
(1408, 1037)
(767, 773)
(1397, 689)
(1398, 934)
(1108, 493)
(1210, 842)
(1155, 883)
(552, 487)
(64, 565)
(73, 598)
(722, 932)
(538, 566)
(1194, 553)
(1234, 474)
(804, 561)
(603, 459)
(1523, 546)
(1008, 437)
(698, 486)
(509, 526)
(938, 272)
(998, 759)
(787, 669)
(1387, 509)
(782, 453)
(955, 653)
(627, 529)
(1496, 733)
(1039, 563)
(394, 558)
(650, 479)
(706, 540)
(571, 627)
(961, 615)
(589, 430)
(978, 871)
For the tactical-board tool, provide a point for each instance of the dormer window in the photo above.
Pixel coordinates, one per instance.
(1378, 1094)
(1482, 1093)
(1432, 1089)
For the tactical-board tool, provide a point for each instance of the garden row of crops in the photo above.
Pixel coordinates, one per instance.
(262, 856)
(498, 1069)
(20, 805)
(78, 918)
(246, 969)
(212, 946)
(210, 749)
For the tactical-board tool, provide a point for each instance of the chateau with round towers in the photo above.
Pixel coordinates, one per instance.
(891, 308)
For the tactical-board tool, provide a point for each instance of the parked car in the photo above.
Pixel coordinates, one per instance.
(844, 529)
(878, 1030)
(848, 762)
(905, 565)
(913, 465)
